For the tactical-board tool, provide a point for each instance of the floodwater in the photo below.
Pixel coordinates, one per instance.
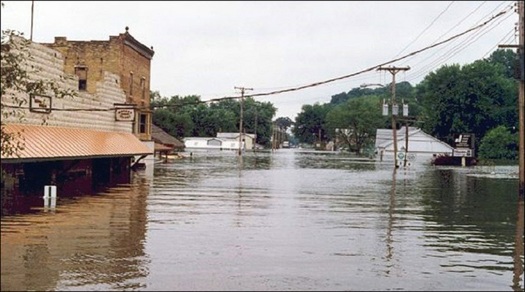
(282, 220)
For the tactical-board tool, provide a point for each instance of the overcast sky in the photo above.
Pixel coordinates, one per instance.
(209, 48)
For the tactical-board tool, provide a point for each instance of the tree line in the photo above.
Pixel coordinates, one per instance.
(478, 98)
(189, 116)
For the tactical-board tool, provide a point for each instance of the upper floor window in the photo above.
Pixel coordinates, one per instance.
(131, 83)
(143, 87)
(81, 72)
(143, 126)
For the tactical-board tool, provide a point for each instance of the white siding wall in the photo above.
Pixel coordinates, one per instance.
(49, 65)
(202, 143)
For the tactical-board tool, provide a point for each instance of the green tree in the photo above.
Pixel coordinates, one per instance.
(469, 99)
(310, 123)
(189, 116)
(508, 59)
(258, 118)
(173, 115)
(283, 123)
(499, 143)
(355, 122)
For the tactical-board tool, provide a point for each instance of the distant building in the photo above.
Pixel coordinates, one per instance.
(421, 146)
(89, 140)
(223, 141)
(247, 139)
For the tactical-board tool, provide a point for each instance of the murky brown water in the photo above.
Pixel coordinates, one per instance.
(286, 220)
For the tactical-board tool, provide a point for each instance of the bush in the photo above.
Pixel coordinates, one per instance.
(499, 143)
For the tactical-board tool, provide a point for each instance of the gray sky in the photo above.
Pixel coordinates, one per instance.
(209, 48)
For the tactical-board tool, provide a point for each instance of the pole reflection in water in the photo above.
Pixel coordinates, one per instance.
(391, 211)
(517, 280)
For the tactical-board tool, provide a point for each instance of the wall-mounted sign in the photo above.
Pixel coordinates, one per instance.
(124, 114)
(40, 103)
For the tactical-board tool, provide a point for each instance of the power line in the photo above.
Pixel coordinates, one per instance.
(385, 63)
(452, 28)
(308, 85)
(454, 50)
(422, 32)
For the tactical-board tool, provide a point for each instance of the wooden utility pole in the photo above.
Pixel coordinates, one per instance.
(521, 104)
(32, 10)
(273, 136)
(255, 131)
(521, 100)
(394, 71)
(406, 144)
(240, 122)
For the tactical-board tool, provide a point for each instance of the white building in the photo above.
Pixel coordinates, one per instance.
(421, 146)
(223, 141)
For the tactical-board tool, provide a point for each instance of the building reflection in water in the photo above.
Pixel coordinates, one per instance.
(95, 241)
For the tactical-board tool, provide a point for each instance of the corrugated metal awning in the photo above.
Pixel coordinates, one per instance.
(61, 143)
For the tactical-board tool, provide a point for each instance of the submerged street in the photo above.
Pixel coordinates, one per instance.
(282, 220)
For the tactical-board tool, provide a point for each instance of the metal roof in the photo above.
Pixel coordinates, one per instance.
(418, 141)
(162, 147)
(229, 135)
(62, 143)
(162, 137)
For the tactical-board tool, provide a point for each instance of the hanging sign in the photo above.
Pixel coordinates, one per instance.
(124, 113)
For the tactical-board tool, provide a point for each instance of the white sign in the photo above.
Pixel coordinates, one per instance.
(125, 114)
(462, 152)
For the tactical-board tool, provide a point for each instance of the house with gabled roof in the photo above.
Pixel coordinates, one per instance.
(422, 147)
(223, 141)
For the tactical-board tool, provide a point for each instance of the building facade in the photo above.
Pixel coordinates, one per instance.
(223, 141)
(122, 55)
(82, 142)
(418, 146)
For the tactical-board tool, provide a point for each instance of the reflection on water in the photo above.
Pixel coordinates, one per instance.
(283, 220)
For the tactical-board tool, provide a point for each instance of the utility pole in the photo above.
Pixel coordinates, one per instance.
(394, 71)
(240, 123)
(255, 131)
(521, 104)
(273, 136)
(32, 9)
(521, 100)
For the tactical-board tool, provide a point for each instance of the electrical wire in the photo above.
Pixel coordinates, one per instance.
(423, 31)
(452, 28)
(453, 51)
(315, 84)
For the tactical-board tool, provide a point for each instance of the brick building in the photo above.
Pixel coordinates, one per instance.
(122, 55)
(86, 142)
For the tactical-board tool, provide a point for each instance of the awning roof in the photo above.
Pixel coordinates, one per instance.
(61, 143)
(162, 137)
(161, 147)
